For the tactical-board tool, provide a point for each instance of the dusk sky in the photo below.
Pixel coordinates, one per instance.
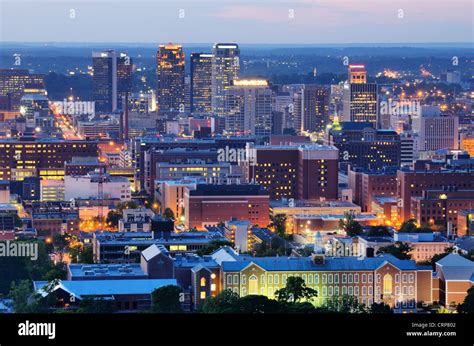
(256, 21)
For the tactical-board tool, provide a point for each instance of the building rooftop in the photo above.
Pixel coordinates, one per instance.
(105, 270)
(330, 263)
(84, 288)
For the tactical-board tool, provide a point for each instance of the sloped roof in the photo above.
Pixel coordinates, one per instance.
(455, 260)
(106, 287)
(330, 263)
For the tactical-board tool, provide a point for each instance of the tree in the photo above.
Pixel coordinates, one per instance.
(378, 231)
(226, 301)
(400, 250)
(345, 304)
(20, 293)
(295, 290)
(168, 213)
(380, 308)
(278, 222)
(166, 299)
(467, 307)
(96, 306)
(113, 218)
(212, 246)
(257, 304)
(408, 226)
(350, 225)
(58, 271)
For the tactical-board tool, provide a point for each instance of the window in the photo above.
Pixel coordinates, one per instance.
(244, 291)
(283, 279)
(236, 279)
(378, 278)
(244, 279)
(276, 279)
(336, 290)
(371, 290)
(370, 277)
(330, 291)
(316, 278)
(356, 290)
(404, 290)
(356, 278)
(203, 282)
(404, 278)
(364, 278)
(336, 278)
(325, 279)
(410, 290)
(411, 278)
(270, 291)
(229, 279)
(344, 290)
(203, 295)
(349, 278)
(397, 278)
(344, 278)
(213, 287)
(262, 279)
(349, 290)
(304, 278)
(387, 284)
(397, 290)
(270, 279)
(325, 291)
(330, 277)
(364, 290)
(253, 284)
(310, 279)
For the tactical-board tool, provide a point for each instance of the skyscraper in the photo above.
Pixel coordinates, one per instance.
(313, 113)
(248, 107)
(360, 97)
(112, 79)
(225, 68)
(12, 85)
(170, 78)
(201, 83)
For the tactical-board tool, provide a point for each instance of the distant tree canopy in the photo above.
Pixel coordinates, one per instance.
(378, 231)
(167, 299)
(467, 306)
(295, 290)
(212, 246)
(400, 250)
(350, 225)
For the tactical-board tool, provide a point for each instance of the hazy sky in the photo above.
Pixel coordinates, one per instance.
(242, 21)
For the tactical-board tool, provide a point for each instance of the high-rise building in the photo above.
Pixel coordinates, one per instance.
(361, 145)
(306, 171)
(12, 85)
(201, 83)
(248, 107)
(359, 97)
(225, 68)
(313, 113)
(170, 78)
(112, 80)
(436, 132)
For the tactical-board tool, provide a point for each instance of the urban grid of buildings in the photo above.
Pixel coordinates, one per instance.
(211, 156)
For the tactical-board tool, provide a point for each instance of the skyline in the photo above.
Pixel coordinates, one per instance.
(252, 22)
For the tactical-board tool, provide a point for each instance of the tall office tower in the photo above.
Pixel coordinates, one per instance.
(170, 78)
(357, 74)
(407, 149)
(436, 131)
(248, 107)
(112, 80)
(225, 68)
(201, 83)
(104, 83)
(360, 97)
(313, 113)
(12, 85)
(34, 106)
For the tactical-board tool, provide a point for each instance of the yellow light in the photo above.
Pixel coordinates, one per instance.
(250, 82)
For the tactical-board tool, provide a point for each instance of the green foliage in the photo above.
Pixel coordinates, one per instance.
(345, 304)
(278, 222)
(57, 271)
(257, 304)
(168, 213)
(276, 247)
(467, 307)
(381, 308)
(96, 306)
(408, 226)
(20, 294)
(400, 250)
(212, 246)
(295, 290)
(378, 231)
(350, 225)
(166, 299)
(226, 301)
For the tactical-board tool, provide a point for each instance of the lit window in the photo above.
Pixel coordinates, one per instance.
(203, 294)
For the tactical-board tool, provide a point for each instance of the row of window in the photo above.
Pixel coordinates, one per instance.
(315, 278)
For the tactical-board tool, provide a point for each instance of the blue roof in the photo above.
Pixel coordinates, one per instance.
(330, 263)
(105, 270)
(108, 287)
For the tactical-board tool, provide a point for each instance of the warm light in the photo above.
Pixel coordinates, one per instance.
(250, 82)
